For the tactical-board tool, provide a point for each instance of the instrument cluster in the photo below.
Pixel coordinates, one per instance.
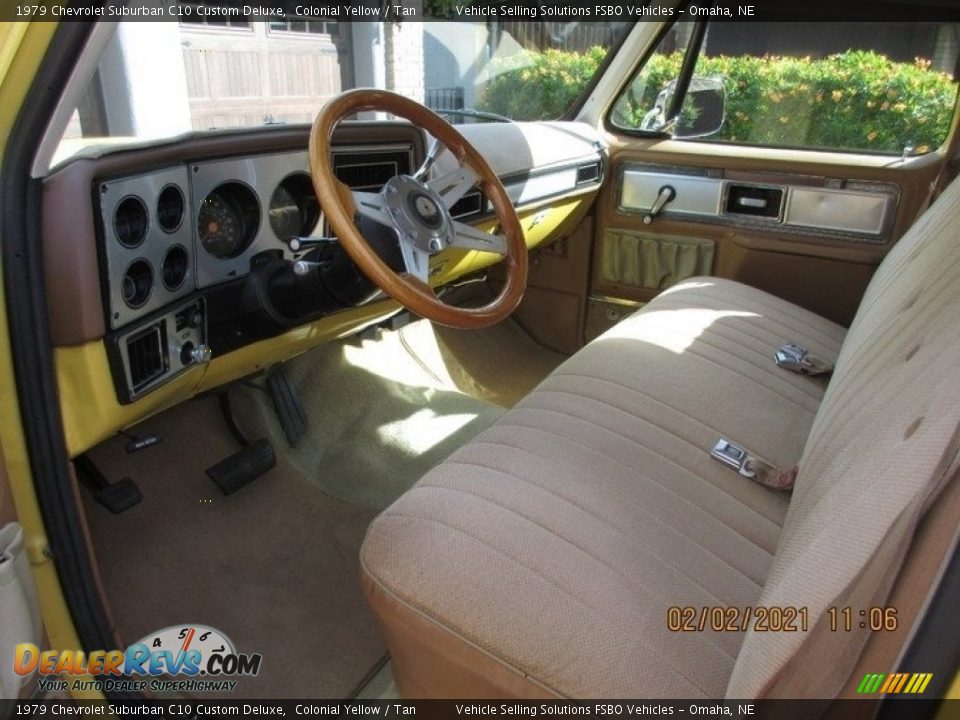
(216, 234)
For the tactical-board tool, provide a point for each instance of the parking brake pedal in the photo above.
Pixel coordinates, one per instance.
(243, 467)
(115, 497)
(289, 410)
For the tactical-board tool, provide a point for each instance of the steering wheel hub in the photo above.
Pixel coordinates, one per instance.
(418, 214)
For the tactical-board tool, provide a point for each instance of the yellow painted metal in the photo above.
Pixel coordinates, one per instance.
(88, 401)
(953, 693)
(22, 47)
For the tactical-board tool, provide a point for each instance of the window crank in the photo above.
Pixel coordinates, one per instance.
(665, 195)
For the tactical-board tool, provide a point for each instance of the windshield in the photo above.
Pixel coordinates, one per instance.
(160, 79)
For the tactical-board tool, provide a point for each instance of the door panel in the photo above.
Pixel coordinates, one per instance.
(823, 269)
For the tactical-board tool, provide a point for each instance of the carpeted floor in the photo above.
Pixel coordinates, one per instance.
(378, 420)
(499, 364)
(274, 566)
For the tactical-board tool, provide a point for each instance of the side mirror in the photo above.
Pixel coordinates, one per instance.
(704, 108)
(703, 111)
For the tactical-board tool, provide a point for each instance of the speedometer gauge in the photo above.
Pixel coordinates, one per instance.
(228, 220)
(219, 227)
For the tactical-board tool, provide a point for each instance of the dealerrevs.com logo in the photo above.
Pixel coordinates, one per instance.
(180, 658)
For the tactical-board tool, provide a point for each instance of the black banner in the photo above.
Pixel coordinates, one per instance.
(190, 709)
(596, 11)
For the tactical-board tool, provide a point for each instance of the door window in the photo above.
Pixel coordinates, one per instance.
(873, 87)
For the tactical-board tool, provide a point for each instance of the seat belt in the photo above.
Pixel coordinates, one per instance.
(796, 358)
(750, 466)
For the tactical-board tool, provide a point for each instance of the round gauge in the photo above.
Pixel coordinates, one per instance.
(130, 221)
(174, 268)
(137, 283)
(170, 208)
(228, 220)
(294, 210)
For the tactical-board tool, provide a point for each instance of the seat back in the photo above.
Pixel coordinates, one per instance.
(883, 444)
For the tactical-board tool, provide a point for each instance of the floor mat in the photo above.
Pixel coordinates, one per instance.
(378, 419)
(274, 566)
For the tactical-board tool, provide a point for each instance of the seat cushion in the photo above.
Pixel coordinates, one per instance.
(542, 557)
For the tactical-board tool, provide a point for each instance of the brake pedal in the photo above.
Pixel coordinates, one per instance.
(114, 496)
(243, 467)
(289, 409)
(136, 443)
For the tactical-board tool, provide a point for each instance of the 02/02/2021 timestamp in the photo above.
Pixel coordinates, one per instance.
(777, 619)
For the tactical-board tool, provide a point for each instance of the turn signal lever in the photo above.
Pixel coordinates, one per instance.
(665, 195)
(297, 244)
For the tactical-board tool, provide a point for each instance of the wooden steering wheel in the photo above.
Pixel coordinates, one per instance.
(419, 213)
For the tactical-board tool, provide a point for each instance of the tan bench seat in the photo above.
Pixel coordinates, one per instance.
(542, 557)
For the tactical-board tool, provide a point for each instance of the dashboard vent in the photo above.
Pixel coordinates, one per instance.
(146, 357)
(588, 173)
(368, 169)
(469, 204)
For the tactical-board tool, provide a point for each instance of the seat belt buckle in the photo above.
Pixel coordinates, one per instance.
(737, 458)
(790, 356)
(730, 454)
(796, 358)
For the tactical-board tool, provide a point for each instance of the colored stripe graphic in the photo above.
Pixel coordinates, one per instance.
(894, 683)
(870, 683)
(903, 681)
(918, 683)
(892, 680)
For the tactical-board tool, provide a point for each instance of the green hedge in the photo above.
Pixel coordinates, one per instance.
(856, 99)
(540, 85)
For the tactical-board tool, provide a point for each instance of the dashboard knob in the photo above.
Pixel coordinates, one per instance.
(191, 354)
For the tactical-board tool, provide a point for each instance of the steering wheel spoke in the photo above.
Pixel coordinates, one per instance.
(416, 261)
(453, 185)
(370, 205)
(470, 238)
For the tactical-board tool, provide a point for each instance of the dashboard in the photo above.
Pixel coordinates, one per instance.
(172, 255)
(223, 229)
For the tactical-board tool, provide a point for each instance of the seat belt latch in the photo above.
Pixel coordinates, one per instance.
(796, 358)
(737, 458)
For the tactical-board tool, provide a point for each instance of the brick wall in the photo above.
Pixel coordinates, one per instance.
(403, 43)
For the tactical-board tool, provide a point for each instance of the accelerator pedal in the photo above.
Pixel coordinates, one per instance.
(289, 409)
(243, 467)
(114, 496)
